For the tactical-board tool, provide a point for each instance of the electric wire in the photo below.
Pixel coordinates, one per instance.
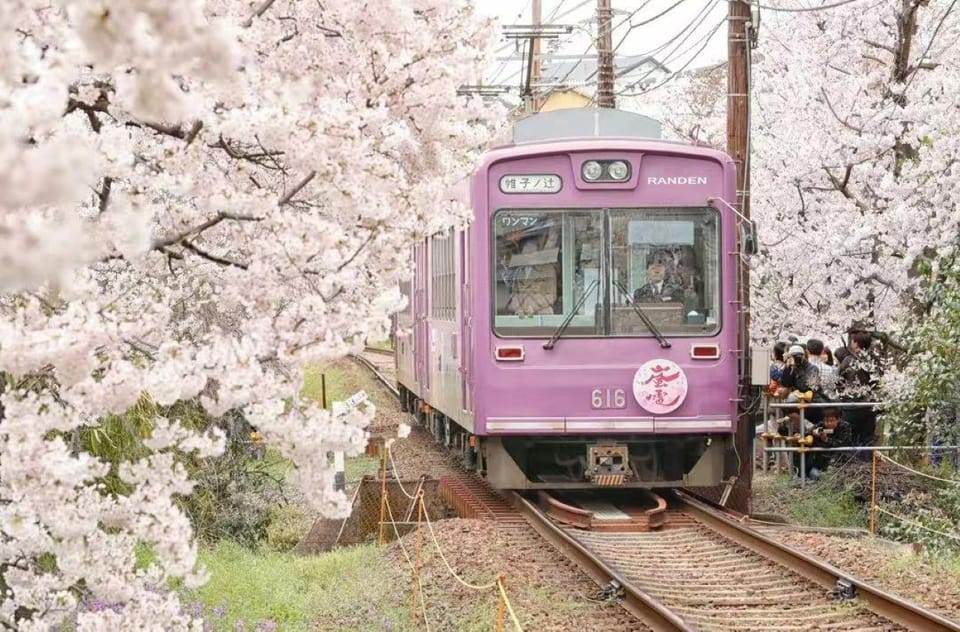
(822, 7)
(594, 39)
(695, 24)
(705, 41)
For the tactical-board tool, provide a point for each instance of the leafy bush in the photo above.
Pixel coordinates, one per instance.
(234, 493)
(924, 401)
(288, 525)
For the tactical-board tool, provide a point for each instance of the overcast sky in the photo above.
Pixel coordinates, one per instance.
(664, 38)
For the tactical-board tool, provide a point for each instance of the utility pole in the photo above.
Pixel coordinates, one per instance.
(738, 122)
(533, 102)
(605, 72)
(533, 33)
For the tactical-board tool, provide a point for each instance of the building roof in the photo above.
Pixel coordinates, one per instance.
(577, 70)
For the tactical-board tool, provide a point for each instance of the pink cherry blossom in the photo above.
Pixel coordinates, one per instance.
(201, 199)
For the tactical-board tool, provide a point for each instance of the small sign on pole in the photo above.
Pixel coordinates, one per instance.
(339, 409)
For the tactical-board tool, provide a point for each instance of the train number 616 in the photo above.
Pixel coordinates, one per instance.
(608, 398)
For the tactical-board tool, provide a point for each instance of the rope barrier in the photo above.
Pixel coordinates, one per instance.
(952, 536)
(910, 469)
(385, 505)
(353, 501)
(506, 600)
(423, 602)
(396, 472)
(436, 542)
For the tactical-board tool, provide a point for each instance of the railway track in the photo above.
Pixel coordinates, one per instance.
(689, 566)
(380, 362)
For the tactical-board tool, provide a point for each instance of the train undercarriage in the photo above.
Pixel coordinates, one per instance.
(582, 461)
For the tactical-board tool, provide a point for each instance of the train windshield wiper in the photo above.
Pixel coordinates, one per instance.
(566, 321)
(664, 343)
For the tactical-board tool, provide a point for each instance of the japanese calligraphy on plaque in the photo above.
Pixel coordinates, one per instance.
(660, 386)
(531, 183)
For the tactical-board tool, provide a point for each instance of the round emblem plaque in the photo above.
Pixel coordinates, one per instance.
(660, 386)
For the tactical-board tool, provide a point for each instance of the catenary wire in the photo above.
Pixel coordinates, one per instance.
(822, 7)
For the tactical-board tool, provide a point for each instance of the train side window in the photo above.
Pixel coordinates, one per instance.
(543, 262)
(443, 277)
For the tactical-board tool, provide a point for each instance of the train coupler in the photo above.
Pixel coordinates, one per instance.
(608, 465)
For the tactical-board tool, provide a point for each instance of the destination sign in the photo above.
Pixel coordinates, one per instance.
(531, 183)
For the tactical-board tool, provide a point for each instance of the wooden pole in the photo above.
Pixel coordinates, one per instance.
(738, 103)
(605, 69)
(873, 495)
(416, 560)
(534, 102)
(383, 492)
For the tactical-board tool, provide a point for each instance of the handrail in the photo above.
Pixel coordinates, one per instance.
(826, 405)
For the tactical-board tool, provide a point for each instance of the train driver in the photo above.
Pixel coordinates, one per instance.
(659, 287)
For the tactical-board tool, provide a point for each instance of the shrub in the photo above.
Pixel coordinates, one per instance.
(288, 525)
(234, 492)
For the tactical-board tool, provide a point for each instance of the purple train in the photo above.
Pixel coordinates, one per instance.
(583, 330)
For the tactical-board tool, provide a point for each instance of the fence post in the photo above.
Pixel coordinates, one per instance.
(383, 492)
(873, 495)
(502, 606)
(803, 454)
(416, 562)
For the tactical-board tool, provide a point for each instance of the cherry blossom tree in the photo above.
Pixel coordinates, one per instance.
(199, 200)
(855, 183)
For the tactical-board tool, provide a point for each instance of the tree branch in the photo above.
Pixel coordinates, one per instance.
(842, 188)
(263, 8)
(885, 47)
(214, 258)
(289, 196)
(837, 116)
(104, 193)
(213, 221)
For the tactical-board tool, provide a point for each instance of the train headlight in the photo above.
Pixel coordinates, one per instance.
(592, 170)
(618, 170)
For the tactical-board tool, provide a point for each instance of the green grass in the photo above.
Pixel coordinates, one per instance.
(828, 503)
(385, 344)
(357, 467)
(343, 379)
(346, 589)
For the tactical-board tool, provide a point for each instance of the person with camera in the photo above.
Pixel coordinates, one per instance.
(834, 432)
(799, 377)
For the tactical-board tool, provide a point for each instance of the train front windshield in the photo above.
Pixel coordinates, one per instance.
(605, 265)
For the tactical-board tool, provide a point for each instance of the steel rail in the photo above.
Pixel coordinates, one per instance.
(369, 349)
(640, 604)
(376, 372)
(890, 606)
(657, 616)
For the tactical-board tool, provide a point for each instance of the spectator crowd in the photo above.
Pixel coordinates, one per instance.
(810, 372)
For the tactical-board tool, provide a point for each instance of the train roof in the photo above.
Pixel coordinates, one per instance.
(584, 123)
(574, 129)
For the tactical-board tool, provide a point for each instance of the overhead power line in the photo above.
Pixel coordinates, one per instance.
(705, 41)
(682, 36)
(821, 7)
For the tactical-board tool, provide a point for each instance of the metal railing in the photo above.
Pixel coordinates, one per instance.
(782, 440)
(802, 448)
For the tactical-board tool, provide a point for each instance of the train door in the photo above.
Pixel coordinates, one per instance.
(466, 320)
(421, 333)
